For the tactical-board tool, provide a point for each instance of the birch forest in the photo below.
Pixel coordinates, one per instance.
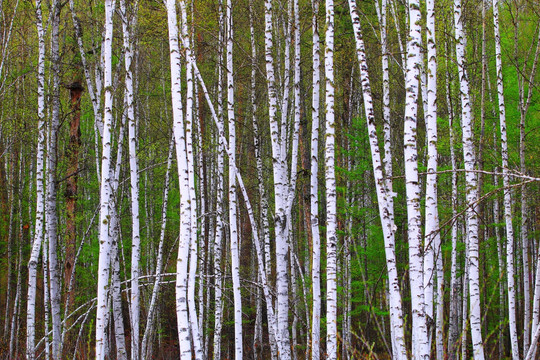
(269, 179)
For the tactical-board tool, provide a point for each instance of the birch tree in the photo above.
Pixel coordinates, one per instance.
(129, 23)
(432, 240)
(40, 191)
(182, 164)
(219, 196)
(105, 189)
(279, 177)
(233, 229)
(420, 345)
(512, 321)
(314, 188)
(330, 180)
(189, 136)
(471, 187)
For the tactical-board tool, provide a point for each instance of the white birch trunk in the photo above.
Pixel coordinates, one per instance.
(330, 179)
(114, 298)
(279, 175)
(105, 189)
(233, 225)
(465, 318)
(116, 294)
(192, 307)
(40, 191)
(127, 25)
(472, 188)
(507, 192)
(432, 241)
(314, 189)
(182, 164)
(46, 293)
(500, 258)
(203, 258)
(218, 311)
(420, 345)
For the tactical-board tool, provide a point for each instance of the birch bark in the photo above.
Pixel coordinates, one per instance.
(219, 197)
(189, 136)
(507, 192)
(128, 23)
(472, 188)
(330, 180)
(314, 188)
(432, 241)
(279, 175)
(420, 343)
(40, 190)
(182, 164)
(105, 189)
(233, 226)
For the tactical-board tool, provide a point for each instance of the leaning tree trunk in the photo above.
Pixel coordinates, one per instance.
(383, 187)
